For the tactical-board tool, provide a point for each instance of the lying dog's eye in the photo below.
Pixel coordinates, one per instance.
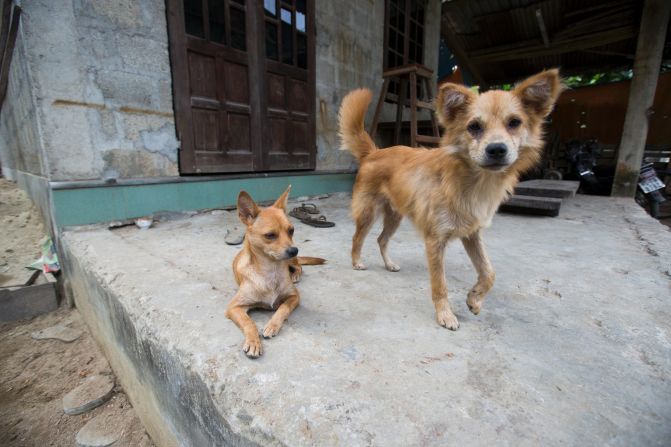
(270, 236)
(514, 123)
(291, 231)
(474, 127)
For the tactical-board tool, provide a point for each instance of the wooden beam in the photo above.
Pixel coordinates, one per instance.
(542, 28)
(602, 6)
(499, 54)
(4, 24)
(647, 62)
(8, 51)
(610, 53)
(460, 53)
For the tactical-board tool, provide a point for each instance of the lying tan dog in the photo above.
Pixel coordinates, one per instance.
(453, 191)
(265, 269)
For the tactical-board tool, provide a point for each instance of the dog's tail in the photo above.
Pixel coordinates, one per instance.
(307, 260)
(353, 136)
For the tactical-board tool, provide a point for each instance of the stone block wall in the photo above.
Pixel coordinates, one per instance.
(90, 93)
(102, 86)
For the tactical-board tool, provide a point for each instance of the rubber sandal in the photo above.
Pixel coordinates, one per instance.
(319, 222)
(303, 216)
(299, 213)
(309, 208)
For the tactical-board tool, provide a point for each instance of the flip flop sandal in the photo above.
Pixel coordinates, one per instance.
(235, 236)
(310, 208)
(319, 222)
(299, 213)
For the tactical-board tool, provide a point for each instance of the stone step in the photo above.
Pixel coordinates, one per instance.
(559, 189)
(540, 206)
(93, 392)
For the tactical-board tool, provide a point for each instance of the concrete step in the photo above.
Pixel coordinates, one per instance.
(559, 189)
(539, 206)
(362, 360)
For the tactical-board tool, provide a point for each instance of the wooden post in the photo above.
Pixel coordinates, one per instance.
(647, 62)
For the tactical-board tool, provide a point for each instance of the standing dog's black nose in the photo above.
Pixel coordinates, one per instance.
(291, 252)
(496, 151)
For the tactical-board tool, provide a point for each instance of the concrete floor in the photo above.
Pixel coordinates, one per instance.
(572, 347)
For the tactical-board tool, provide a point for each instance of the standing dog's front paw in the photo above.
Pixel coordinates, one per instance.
(271, 329)
(474, 306)
(252, 347)
(392, 267)
(359, 266)
(475, 301)
(447, 319)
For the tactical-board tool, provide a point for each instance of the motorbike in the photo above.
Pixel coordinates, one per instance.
(649, 190)
(582, 156)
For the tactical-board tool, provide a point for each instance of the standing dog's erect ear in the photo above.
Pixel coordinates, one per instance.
(282, 200)
(452, 100)
(539, 92)
(247, 209)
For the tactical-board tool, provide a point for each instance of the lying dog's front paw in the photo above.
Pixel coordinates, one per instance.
(447, 319)
(271, 329)
(359, 266)
(252, 348)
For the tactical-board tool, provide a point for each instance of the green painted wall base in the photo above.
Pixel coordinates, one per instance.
(95, 204)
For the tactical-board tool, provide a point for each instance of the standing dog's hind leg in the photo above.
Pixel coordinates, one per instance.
(476, 251)
(364, 217)
(391, 222)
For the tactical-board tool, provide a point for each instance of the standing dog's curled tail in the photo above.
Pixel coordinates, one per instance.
(353, 136)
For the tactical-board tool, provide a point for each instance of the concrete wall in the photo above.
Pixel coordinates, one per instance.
(99, 76)
(349, 52)
(102, 83)
(21, 147)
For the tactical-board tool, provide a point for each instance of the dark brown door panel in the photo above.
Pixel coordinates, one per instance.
(243, 83)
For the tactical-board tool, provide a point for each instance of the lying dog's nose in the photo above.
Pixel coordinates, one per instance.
(291, 252)
(496, 151)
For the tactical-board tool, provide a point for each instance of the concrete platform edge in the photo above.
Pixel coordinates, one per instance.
(173, 403)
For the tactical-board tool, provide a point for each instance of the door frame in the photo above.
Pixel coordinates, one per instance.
(254, 22)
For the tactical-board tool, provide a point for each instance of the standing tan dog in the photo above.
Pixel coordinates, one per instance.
(265, 269)
(453, 191)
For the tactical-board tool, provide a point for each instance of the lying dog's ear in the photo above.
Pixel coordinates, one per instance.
(452, 100)
(281, 202)
(247, 209)
(539, 92)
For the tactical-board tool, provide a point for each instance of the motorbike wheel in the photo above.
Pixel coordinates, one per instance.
(552, 174)
(654, 209)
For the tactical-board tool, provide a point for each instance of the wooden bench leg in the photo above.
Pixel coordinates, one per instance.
(399, 111)
(434, 121)
(378, 108)
(413, 109)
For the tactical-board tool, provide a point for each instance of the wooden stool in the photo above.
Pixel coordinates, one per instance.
(408, 75)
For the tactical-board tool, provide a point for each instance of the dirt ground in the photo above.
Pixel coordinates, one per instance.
(21, 233)
(34, 376)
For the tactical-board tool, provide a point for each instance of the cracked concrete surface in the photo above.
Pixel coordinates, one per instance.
(572, 347)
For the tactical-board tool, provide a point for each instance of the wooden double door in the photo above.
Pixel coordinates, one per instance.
(243, 84)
